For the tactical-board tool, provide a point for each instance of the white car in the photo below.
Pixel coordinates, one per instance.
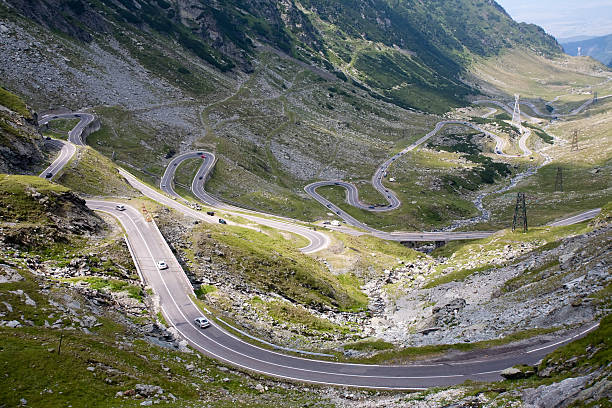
(201, 322)
(120, 207)
(162, 265)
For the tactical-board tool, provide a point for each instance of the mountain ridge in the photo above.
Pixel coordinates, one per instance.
(403, 51)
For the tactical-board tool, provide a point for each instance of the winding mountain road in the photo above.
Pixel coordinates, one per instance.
(176, 300)
(75, 135)
(176, 296)
(352, 194)
(67, 150)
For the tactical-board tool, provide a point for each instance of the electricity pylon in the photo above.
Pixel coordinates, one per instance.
(574, 140)
(520, 213)
(559, 180)
(516, 114)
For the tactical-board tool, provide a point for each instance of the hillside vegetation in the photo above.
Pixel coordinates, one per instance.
(20, 141)
(407, 52)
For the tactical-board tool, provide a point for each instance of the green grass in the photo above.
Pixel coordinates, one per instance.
(273, 264)
(28, 356)
(204, 290)
(91, 173)
(18, 204)
(359, 258)
(14, 103)
(583, 190)
(528, 276)
(369, 345)
(399, 356)
(483, 254)
(456, 276)
(599, 340)
(59, 128)
(113, 285)
(286, 312)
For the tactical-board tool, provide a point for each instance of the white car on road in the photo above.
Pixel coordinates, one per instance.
(201, 322)
(162, 265)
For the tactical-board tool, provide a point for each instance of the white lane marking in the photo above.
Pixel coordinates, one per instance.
(565, 340)
(101, 204)
(196, 344)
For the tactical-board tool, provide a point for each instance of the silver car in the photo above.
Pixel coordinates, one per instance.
(201, 322)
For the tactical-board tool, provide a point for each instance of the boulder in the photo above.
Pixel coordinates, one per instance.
(559, 394)
(512, 373)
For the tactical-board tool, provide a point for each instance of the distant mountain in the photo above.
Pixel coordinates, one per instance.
(599, 48)
(409, 52)
(563, 40)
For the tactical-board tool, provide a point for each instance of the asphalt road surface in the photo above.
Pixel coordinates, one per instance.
(352, 194)
(317, 239)
(74, 136)
(67, 150)
(175, 294)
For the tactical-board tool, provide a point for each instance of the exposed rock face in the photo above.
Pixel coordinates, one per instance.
(556, 395)
(60, 15)
(20, 143)
(35, 212)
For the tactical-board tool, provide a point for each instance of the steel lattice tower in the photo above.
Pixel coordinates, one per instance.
(574, 140)
(559, 180)
(516, 114)
(520, 213)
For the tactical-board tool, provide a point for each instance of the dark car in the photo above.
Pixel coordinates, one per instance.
(49, 175)
(211, 213)
(222, 221)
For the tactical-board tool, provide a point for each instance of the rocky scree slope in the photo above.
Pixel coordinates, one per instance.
(407, 52)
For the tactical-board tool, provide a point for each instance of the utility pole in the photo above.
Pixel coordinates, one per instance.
(575, 140)
(516, 114)
(520, 213)
(559, 180)
(59, 347)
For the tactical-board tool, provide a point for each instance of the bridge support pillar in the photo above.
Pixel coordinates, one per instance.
(440, 244)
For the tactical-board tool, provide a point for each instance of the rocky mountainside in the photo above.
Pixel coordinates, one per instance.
(408, 52)
(20, 141)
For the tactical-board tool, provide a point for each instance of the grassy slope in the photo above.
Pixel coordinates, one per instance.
(38, 374)
(14, 103)
(59, 128)
(91, 173)
(586, 172)
(16, 197)
(274, 265)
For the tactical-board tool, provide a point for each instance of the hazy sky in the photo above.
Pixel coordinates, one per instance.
(564, 18)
